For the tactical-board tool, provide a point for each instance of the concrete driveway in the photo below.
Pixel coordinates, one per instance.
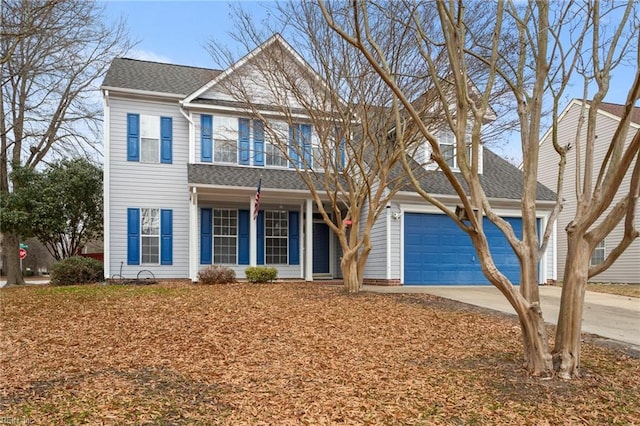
(606, 315)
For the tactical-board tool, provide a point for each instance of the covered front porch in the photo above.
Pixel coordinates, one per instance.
(283, 230)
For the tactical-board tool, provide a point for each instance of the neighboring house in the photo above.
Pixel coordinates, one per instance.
(626, 269)
(182, 165)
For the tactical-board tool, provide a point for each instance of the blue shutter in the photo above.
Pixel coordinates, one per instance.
(258, 143)
(133, 236)
(243, 237)
(294, 238)
(206, 237)
(206, 141)
(243, 141)
(133, 137)
(305, 135)
(166, 237)
(260, 257)
(341, 159)
(293, 147)
(166, 140)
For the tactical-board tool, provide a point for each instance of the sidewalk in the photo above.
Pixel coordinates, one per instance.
(41, 280)
(606, 315)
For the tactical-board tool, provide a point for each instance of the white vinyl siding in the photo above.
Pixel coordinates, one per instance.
(147, 185)
(626, 268)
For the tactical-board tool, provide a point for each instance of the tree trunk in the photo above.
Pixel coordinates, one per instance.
(349, 266)
(566, 353)
(537, 357)
(11, 246)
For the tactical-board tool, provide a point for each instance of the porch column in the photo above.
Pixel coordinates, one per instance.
(253, 233)
(308, 237)
(193, 234)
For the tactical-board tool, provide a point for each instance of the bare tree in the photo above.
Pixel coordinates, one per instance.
(53, 54)
(341, 144)
(534, 51)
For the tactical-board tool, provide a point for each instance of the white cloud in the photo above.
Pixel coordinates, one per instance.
(147, 55)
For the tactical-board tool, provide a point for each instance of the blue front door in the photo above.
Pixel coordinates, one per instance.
(437, 252)
(320, 248)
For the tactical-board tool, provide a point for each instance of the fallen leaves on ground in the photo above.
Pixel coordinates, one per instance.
(284, 354)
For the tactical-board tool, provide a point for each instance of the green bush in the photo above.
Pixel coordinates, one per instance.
(77, 270)
(216, 274)
(261, 274)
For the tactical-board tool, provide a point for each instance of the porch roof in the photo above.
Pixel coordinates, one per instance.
(243, 176)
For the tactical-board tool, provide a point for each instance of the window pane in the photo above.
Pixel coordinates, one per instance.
(150, 240)
(447, 143)
(597, 256)
(225, 228)
(226, 151)
(150, 222)
(149, 150)
(276, 241)
(275, 157)
(150, 249)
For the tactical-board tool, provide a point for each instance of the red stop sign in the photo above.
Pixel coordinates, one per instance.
(23, 253)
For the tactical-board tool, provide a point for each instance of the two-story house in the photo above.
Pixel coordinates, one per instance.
(626, 269)
(183, 161)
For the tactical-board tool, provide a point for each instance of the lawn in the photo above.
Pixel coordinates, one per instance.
(282, 354)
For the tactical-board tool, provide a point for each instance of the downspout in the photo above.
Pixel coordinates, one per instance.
(388, 218)
(106, 185)
(192, 156)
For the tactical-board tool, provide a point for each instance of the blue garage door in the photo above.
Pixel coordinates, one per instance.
(437, 252)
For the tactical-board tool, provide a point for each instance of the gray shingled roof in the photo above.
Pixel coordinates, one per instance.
(157, 77)
(500, 179)
(214, 174)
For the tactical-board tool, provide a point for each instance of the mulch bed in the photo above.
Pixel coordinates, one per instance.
(284, 354)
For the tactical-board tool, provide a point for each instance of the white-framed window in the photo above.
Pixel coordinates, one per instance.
(149, 139)
(447, 144)
(225, 236)
(317, 153)
(597, 257)
(150, 238)
(225, 139)
(279, 133)
(276, 226)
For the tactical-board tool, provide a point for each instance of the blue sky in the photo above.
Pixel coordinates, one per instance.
(176, 31)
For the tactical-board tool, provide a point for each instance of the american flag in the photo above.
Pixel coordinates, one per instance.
(256, 204)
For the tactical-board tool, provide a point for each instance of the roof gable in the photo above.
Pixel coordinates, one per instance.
(252, 79)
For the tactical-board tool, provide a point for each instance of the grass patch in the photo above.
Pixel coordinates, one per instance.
(284, 354)
(630, 290)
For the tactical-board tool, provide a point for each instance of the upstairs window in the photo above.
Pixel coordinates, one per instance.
(447, 145)
(225, 143)
(149, 138)
(277, 134)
